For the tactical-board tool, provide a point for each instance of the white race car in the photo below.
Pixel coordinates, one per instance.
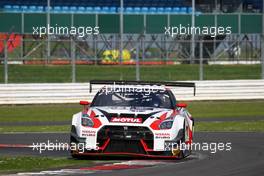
(134, 118)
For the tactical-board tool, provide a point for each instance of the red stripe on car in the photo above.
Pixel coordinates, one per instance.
(155, 124)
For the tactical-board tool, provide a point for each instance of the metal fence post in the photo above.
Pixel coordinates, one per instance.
(5, 62)
(96, 59)
(143, 48)
(262, 56)
(95, 49)
(73, 61)
(262, 42)
(192, 58)
(201, 61)
(22, 38)
(48, 35)
(137, 64)
(121, 31)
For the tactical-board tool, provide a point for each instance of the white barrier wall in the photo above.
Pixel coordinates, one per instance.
(74, 92)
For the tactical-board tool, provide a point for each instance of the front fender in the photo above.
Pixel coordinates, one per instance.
(76, 122)
(179, 126)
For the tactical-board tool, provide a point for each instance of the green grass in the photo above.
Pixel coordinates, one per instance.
(51, 128)
(225, 109)
(29, 113)
(11, 164)
(64, 112)
(84, 73)
(199, 109)
(252, 126)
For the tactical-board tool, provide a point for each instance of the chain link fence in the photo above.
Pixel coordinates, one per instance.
(143, 58)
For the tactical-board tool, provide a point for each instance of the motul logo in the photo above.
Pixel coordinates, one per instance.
(126, 120)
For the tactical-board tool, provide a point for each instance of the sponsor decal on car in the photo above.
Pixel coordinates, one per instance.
(126, 120)
(88, 133)
(162, 135)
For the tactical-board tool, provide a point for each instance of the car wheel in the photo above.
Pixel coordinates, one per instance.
(73, 153)
(181, 138)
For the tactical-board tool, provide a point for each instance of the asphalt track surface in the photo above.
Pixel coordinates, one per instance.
(245, 158)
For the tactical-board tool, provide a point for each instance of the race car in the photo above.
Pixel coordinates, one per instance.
(134, 118)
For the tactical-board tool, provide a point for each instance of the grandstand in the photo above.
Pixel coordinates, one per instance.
(130, 6)
(101, 6)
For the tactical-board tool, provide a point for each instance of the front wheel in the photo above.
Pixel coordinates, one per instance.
(181, 139)
(73, 152)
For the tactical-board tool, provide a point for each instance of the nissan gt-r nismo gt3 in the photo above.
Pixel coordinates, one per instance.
(133, 118)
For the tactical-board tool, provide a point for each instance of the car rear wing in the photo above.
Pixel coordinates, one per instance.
(151, 83)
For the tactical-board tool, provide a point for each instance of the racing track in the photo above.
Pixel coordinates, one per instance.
(245, 158)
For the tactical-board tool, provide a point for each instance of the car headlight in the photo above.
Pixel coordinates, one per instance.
(167, 124)
(87, 122)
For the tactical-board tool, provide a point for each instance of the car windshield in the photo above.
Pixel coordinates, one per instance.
(158, 99)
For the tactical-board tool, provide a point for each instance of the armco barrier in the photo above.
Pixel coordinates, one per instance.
(74, 92)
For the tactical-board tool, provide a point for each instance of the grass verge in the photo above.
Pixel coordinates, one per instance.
(255, 126)
(38, 113)
(84, 73)
(11, 164)
(225, 109)
(199, 109)
(64, 112)
(53, 128)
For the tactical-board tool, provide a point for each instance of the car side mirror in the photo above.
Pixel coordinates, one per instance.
(84, 103)
(181, 105)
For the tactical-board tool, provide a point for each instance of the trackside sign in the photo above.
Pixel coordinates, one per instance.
(126, 120)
